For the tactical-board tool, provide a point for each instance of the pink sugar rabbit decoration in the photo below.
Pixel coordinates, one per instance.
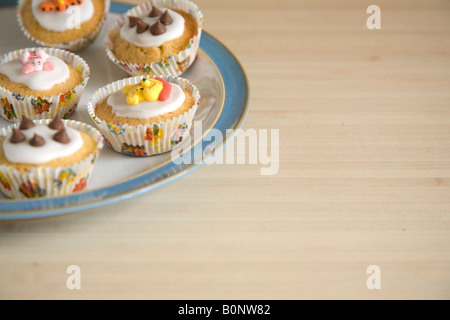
(36, 61)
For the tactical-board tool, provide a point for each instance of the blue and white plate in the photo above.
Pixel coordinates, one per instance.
(225, 101)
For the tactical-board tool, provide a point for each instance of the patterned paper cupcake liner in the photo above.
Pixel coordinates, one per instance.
(149, 139)
(17, 183)
(171, 66)
(14, 105)
(74, 45)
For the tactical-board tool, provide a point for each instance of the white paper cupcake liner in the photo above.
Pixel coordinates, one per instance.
(149, 139)
(13, 105)
(171, 66)
(43, 181)
(74, 45)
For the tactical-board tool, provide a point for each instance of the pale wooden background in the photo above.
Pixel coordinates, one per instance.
(364, 119)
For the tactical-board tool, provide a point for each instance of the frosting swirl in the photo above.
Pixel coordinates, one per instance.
(65, 20)
(28, 151)
(38, 79)
(148, 39)
(146, 109)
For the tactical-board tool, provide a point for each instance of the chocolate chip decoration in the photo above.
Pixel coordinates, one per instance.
(141, 26)
(57, 123)
(17, 136)
(157, 28)
(61, 136)
(133, 21)
(26, 123)
(155, 12)
(37, 141)
(166, 19)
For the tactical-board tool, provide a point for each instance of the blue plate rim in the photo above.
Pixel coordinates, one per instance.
(235, 110)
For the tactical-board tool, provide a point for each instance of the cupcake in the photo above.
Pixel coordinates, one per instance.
(41, 83)
(143, 116)
(47, 158)
(64, 24)
(161, 38)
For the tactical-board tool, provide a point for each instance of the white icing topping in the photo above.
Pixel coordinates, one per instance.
(39, 80)
(147, 39)
(146, 109)
(66, 20)
(23, 152)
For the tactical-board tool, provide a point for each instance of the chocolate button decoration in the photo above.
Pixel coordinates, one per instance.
(166, 19)
(133, 21)
(17, 136)
(141, 26)
(157, 28)
(56, 123)
(37, 141)
(155, 12)
(26, 123)
(61, 136)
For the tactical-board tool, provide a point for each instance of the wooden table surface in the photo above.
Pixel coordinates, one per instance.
(364, 177)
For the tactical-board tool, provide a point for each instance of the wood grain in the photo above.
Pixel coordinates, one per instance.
(364, 175)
